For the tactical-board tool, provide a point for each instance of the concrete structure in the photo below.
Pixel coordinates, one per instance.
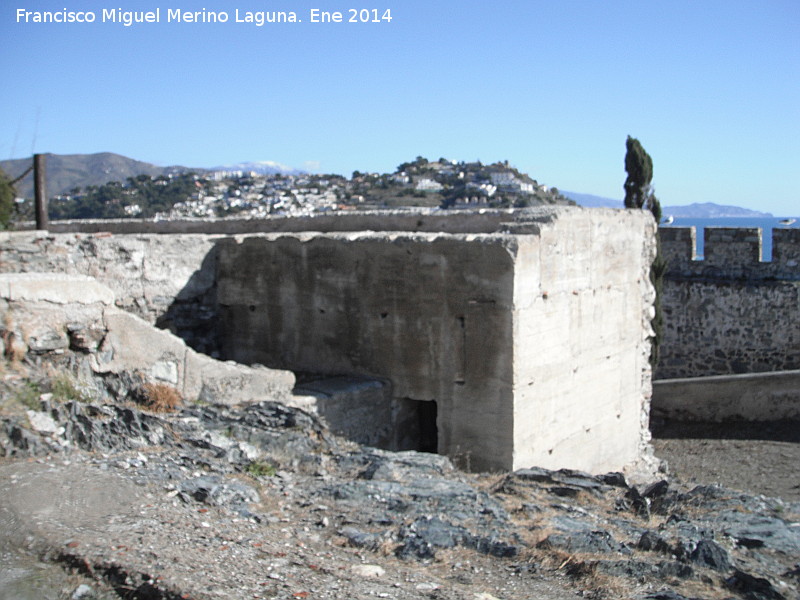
(504, 339)
(750, 397)
(532, 342)
(730, 313)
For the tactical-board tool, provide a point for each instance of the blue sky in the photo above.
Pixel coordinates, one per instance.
(710, 88)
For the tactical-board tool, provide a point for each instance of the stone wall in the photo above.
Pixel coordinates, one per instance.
(526, 331)
(165, 280)
(71, 320)
(730, 313)
(748, 397)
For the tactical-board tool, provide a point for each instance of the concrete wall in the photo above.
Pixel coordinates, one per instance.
(730, 313)
(751, 397)
(529, 330)
(165, 280)
(533, 343)
(416, 220)
(430, 312)
(52, 314)
(583, 304)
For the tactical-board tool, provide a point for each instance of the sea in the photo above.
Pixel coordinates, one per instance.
(767, 224)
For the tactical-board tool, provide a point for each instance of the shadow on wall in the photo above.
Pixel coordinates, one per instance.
(194, 314)
(358, 408)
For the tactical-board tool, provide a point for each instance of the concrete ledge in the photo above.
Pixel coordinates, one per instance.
(54, 287)
(749, 397)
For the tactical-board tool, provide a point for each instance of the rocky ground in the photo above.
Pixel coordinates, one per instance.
(111, 500)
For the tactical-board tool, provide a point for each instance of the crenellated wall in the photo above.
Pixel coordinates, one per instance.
(730, 312)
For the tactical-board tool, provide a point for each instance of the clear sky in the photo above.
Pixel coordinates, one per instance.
(711, 89)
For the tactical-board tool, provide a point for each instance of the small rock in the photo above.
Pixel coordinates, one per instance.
(710, 554)
(755, 588)
(427, 587)
(82, 591)
(368, 570)
(42, 422)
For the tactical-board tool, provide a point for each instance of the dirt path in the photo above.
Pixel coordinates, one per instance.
(760, 458)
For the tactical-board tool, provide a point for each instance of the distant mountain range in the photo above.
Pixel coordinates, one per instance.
(709, 210)
(591, 200)
(705, 210)
(68, 171)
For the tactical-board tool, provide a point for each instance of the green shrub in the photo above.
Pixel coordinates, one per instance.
(28, 395)
(259, 468)
(65, 388)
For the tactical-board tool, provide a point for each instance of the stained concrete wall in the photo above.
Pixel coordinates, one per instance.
(583, 305)
(430, 312)
(529, 330)
(533, 343)
(731, 312)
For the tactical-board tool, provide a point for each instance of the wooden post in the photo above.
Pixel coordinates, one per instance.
(40, 190)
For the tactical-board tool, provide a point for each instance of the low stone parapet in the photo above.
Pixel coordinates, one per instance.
(750, 397)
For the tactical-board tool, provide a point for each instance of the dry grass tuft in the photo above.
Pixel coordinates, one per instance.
(160, 397)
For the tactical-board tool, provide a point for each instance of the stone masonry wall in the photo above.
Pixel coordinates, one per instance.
(730, 313)
(166, 280)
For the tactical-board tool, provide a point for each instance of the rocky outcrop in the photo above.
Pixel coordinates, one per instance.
(221, 502)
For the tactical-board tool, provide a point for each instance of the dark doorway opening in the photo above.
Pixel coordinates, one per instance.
(416, 427)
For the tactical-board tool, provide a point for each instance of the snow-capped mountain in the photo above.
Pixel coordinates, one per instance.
(262, 167)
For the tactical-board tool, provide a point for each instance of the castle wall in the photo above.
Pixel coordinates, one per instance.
(730, 313)
(749, 397)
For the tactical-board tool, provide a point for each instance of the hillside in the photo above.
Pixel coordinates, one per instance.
(106, 186)
(704, 210)
(709, 210)
(68, 171)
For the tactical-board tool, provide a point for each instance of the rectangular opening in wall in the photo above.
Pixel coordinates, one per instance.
(416, 427)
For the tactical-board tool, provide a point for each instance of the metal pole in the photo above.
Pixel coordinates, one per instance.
(40, 190)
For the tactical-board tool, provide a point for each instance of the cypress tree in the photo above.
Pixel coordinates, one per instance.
(639, 194)
(639, 167)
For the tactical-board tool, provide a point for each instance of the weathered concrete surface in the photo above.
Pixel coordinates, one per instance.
(397, 307)
(167, 280)
(532, 343)
(54, 313)
(750, 397)
(582, 311)
(526, 329)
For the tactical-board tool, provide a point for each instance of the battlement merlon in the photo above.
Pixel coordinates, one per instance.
(731, 252)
